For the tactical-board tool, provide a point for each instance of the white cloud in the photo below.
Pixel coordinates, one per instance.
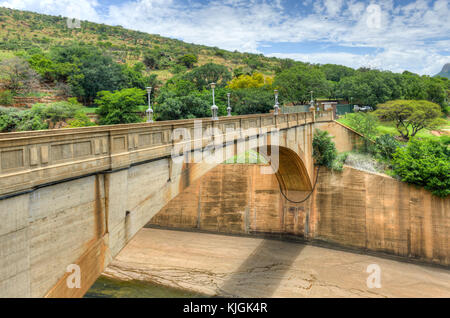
(80, 9)
(409, 36)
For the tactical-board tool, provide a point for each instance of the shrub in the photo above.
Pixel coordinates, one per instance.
(80, 120)
(6, 97)
(324, 149)
(366, 124)
(385, 146)
(120, 107)
(425, 163)
(338, 163)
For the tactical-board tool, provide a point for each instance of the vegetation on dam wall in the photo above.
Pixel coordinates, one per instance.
(423, 159)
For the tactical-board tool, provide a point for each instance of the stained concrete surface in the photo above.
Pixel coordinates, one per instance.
(254, 267)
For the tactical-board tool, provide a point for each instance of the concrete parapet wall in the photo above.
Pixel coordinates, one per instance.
(30, 159)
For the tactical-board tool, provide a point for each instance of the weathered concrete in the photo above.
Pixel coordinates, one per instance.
(353, 208)
(77, 196)
(253, 267)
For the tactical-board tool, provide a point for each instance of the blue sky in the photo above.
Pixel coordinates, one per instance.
(391, 35)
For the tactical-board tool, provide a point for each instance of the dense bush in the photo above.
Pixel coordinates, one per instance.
(324, 149)
(40, 116)
(6, 97)
(252, 101)
(385, 146)
(209, 73)
(425, 163)
(120, 107)
(80, 120)
(250, 81)
(193, 105)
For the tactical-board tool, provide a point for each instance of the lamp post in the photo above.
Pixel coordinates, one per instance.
(149, 111)
(229, 107)
(214, 108)
(276, 106)
(312, 99)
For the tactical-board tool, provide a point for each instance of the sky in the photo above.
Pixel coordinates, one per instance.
(390, 35)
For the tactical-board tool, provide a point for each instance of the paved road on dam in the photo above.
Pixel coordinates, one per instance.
(221, 265)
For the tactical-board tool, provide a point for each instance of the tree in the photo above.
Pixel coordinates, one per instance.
(410, 116)
(253, 62)
(95, 71)
(188, 60)
(366, 124)
(193, 105)
(256, 100)
(335, 72)
(209, 73)
(425, 163)
(51, 70)
(120, 107)
(151, 60)
(296, 83)
(324, 149)
(19, 74)
(241, 71)
(246, 81)
(371, 87)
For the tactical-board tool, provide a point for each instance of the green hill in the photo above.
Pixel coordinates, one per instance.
(445, 71)
(42, 60)
(22, 30)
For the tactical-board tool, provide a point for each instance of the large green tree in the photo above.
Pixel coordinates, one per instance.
(95, 71)
(120, 107)
(410, 116)
(335, 72)
(209, 73)
(371, 87)
(296, 83)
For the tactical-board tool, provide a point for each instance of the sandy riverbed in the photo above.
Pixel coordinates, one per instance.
(253, 267)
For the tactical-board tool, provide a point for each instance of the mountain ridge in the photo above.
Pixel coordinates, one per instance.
(445, 72)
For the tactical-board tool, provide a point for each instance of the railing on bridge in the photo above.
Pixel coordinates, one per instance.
(294, 109)
(28, 159)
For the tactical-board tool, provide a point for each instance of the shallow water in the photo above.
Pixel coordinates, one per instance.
(106, 287)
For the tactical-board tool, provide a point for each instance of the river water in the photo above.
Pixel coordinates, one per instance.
(106, 287)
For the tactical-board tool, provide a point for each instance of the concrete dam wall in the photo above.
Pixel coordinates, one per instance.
(352, 208)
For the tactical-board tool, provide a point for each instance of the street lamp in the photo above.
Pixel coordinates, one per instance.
(229, 107)
(276, 106)
(149, 111)
(214, 108)
(312, 99)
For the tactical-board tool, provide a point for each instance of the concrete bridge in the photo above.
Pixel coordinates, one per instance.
(77, 196)
(71, 199)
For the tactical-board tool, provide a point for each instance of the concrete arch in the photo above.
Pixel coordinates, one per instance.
(291, 171)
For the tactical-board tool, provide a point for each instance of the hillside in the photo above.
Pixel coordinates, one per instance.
(48, 68)
(445, 71)
(22, 30)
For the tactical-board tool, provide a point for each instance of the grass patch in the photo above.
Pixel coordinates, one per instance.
(389, 128)
(89, 110)
(249, 157)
